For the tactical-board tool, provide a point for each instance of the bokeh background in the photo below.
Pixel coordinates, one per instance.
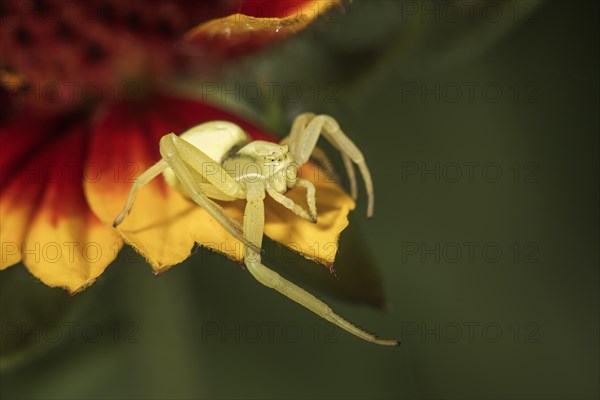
(481, 132)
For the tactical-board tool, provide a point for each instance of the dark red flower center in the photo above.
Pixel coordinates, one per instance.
(66, 52)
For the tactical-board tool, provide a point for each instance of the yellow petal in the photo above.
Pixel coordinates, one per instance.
(123, 146)
(315, 241)
(163, 225)
(70, 252)
(20, 186)
(16, 208)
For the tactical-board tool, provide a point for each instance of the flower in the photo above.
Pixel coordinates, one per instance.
(84, 106)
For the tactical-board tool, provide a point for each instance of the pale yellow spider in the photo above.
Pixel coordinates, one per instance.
(218, 160)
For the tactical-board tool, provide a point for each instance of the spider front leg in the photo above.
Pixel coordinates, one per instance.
(310, 196)
(298, 128)
(180, 154)
(254, 219)
(324, 162)
(140, 181)
(304, 136)
(288, 203)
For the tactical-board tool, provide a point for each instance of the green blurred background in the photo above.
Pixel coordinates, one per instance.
(426, 97)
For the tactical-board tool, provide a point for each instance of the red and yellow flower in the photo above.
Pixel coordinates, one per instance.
(83, 108)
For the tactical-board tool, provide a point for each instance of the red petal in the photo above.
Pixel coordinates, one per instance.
(256, 24)
(46, 222)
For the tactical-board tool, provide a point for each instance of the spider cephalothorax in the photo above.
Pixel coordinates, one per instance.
(260, 160)
(217, 160)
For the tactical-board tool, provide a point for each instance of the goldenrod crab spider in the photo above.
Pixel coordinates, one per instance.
(217, 160)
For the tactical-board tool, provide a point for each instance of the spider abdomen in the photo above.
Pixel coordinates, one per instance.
(217, 139)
